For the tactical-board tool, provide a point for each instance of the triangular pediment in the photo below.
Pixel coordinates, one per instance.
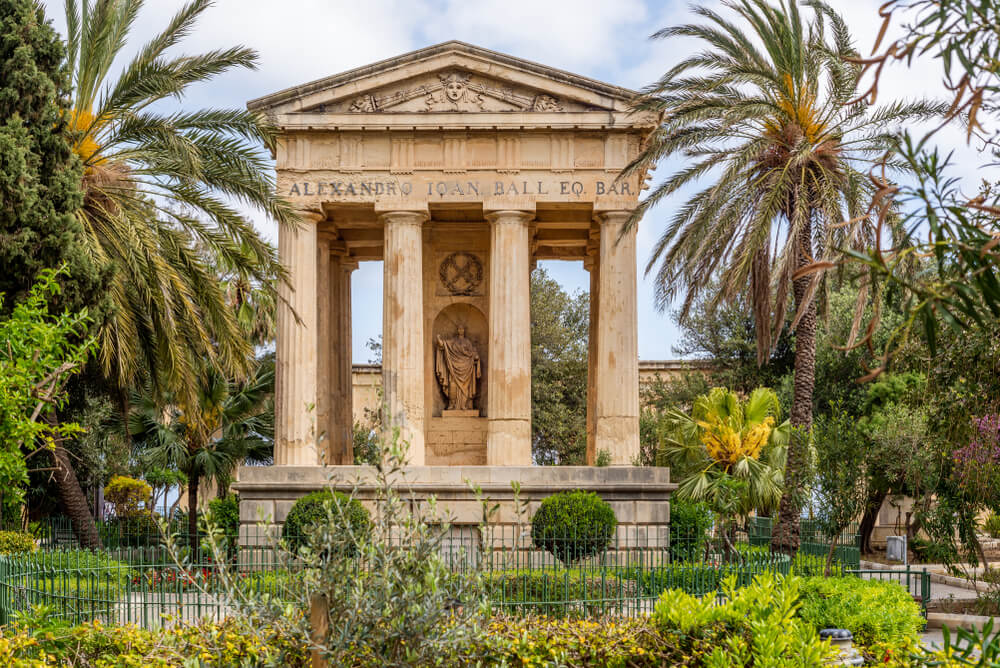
(449, 77)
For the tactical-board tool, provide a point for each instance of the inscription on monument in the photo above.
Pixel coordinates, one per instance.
(453, 189)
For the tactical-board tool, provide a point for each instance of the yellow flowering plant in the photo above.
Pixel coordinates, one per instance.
(729, 452)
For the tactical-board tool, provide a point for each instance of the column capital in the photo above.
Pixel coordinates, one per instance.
(310, 216)
(509, 203)
(507, 216)
(611, 216)
(401, 206)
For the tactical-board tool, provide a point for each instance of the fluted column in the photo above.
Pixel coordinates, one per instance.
(591, 264)
(341, 446)
(617, 375)
(403, 328)
(508, 436)
(297, 345)
(325, 313)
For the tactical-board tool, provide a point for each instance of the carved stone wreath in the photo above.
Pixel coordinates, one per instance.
(461, 273)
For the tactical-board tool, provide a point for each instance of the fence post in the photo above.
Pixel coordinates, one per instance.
(319, 624)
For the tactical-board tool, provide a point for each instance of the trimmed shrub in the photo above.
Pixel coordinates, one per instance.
(554, 593)
(875, 611)
(573, 525)
(317, 507)
(17, 542)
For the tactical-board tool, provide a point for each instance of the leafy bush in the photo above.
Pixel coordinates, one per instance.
(690, 524)
(573, 525)
(557, 592)
(16, 542)
(225, 516)
(543, 641)
(756, 625)
(128, 495)
(233, 642)
(991, 525)
(339, 511)
(875, 611)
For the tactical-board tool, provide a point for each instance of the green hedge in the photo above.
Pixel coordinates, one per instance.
(76, 584)
(875, 611)
(557, 592)
(700, 578)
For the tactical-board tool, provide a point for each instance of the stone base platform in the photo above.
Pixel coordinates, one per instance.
(640, 496)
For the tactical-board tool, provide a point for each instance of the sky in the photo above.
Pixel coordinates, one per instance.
(302, 40)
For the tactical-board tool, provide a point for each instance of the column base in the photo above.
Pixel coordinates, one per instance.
(508, 443)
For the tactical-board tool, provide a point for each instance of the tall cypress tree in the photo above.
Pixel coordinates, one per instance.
(40, 188)
(40, 175)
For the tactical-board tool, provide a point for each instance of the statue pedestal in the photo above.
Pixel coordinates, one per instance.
(472, 412)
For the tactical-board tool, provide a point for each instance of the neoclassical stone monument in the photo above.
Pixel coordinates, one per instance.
(458, 168)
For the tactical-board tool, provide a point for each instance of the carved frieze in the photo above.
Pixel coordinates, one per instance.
(455, 90)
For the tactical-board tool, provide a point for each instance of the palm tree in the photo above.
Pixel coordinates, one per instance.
(161, 194)
(728, 453)
(232, 424)
(765, 116)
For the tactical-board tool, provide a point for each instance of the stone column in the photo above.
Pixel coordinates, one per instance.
(297, 345)
(325, 314)
(341, 450)
(617, 349)
(403, 327)
(508, 435)
(590, 263)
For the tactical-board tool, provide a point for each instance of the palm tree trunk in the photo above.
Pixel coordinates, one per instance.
(75, 501)
(193, 508)
(786, 534)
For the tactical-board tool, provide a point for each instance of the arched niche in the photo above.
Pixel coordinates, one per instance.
(446, 325)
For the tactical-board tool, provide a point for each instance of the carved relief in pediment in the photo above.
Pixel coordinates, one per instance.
(456, 90)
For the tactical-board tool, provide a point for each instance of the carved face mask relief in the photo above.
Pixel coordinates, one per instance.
(454, 90)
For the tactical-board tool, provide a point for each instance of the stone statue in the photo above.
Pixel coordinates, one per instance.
(458, 369)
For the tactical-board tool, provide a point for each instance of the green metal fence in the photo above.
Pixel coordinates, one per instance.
(143, 585)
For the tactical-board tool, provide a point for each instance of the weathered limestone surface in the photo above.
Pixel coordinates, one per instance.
(616, 384)
(508, 439)
(636, 494)
(297, 349)
(459, 168)
(403, 327)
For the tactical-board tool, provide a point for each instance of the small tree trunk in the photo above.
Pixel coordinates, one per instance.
(829, 556)
(193, 510)
(868, 518)
(786, 538)
(75, 501)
